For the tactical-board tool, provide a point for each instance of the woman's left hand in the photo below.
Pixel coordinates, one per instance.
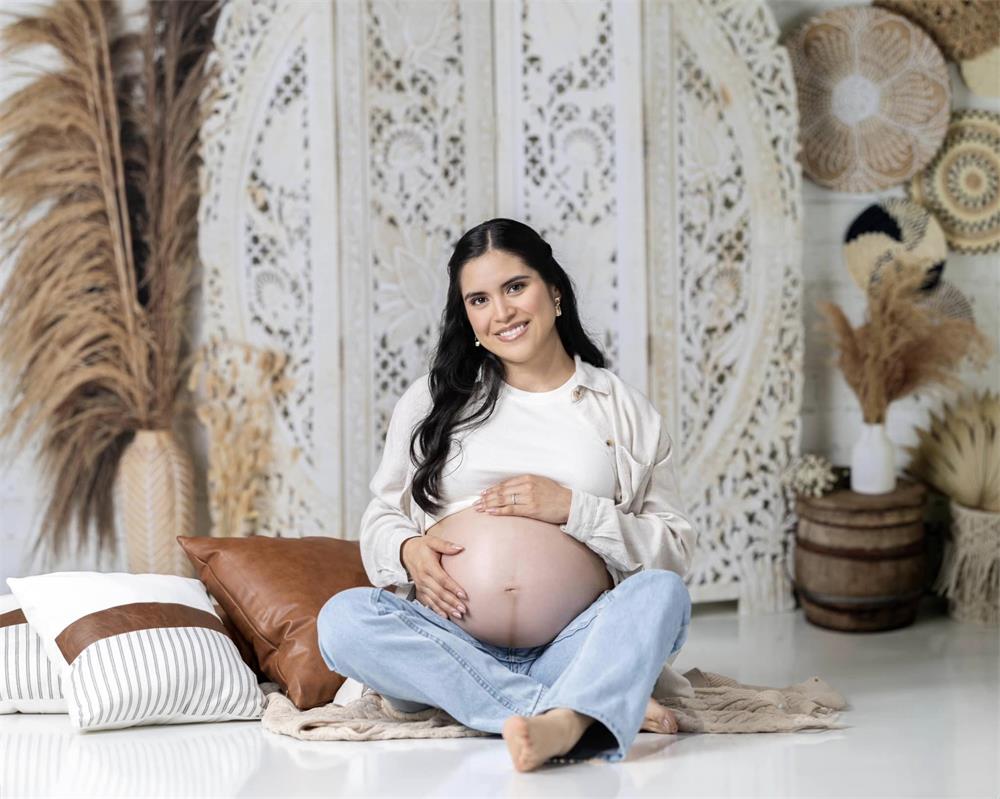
(537, 498)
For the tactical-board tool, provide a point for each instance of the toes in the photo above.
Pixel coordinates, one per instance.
(659, 718)
(668, 722)
(662, 721)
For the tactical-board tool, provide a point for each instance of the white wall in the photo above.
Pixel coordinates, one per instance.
(830, 413)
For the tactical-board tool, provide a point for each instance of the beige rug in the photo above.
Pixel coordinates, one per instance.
(719, 704)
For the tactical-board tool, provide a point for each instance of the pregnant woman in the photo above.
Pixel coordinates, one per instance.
(527, 510)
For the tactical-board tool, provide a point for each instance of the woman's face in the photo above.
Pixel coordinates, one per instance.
(500, 291)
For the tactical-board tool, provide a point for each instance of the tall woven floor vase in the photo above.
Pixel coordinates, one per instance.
(154, 498)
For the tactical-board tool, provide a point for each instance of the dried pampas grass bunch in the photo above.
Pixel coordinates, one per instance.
(98, 196)
(240, 386)
(959, 452)
(165, 100)
(904, 344)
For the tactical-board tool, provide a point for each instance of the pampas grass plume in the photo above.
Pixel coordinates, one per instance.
(902, 346)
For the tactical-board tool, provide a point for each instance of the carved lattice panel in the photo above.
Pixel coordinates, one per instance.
(725, 250)
(685, 250)
(416, 148)
(267, 231)
(569, 158)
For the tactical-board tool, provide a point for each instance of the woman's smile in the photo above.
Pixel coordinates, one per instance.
(520, 332)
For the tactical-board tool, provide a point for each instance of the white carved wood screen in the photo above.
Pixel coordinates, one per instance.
(652, 144)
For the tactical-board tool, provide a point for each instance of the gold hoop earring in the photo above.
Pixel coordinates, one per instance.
(558, 310)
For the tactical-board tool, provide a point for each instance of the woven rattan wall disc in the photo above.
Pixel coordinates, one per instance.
(961, 186)
(963, 29)
(874, 98)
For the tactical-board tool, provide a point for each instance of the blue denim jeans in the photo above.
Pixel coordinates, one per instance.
(603, 664)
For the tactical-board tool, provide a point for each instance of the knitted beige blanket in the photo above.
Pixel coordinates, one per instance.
(719, 704)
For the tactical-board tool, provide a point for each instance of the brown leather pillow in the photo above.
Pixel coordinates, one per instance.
(273, 589)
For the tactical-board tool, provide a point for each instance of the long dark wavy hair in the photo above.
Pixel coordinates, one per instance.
(456, 359)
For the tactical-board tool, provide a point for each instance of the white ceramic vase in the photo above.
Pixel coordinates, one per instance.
(873, 461)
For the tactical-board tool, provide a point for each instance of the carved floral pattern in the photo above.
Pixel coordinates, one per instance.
(416, 153)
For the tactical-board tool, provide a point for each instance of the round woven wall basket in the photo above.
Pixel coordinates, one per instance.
(961, 186)
(970, 570)
(962, 30)
(967, 32)
(893, 229)
(874, 98)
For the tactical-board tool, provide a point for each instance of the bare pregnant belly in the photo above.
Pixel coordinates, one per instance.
(525, 579)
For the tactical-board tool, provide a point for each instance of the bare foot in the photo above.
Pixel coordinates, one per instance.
(659, 719)
(532, 741)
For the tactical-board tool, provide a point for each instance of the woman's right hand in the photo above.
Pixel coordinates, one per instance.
(421, 555)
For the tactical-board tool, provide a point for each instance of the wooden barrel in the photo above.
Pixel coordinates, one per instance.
(860, 559)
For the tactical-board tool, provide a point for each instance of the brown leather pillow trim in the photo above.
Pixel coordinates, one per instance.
(130, 618)
(12, 617)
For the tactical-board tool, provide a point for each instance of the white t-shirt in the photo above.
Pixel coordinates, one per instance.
(529, 432)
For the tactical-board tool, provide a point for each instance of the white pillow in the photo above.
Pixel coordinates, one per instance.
(137, 649)
(29, 681)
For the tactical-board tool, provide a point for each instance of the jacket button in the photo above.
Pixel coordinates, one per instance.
(609, 442)
(577, 393)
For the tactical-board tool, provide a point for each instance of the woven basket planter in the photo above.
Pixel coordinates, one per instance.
(970, 571)
(154, 497)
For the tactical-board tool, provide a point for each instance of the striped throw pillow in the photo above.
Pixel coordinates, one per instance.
(137, 649)
(29, 682)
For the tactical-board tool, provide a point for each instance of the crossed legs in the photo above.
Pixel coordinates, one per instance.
(403, 650)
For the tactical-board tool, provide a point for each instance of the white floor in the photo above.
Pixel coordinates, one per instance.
(924, 722)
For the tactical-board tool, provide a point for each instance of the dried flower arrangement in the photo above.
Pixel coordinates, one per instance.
(959, 455)
(903, 345)
(240, 385)
(99, 196)
(959, 452)
(810, 475)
